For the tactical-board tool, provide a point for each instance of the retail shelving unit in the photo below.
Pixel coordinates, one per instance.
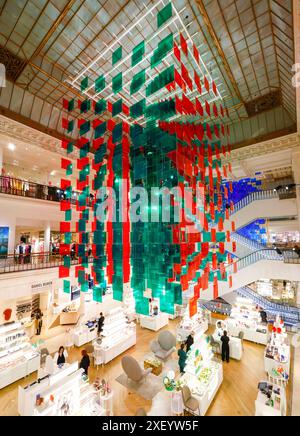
(117, 336)
(198, 324)
(278, 352)
(154, 322)
(18, 358)
(85, 333)
(65, 393)
(245, 318)
(203, 374)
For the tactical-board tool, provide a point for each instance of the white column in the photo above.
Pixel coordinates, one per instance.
(47, 236)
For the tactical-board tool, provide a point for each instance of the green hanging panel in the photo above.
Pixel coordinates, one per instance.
(164, 15)
(100, 107)
(117, 55)
(99, 84)
(117, 83)
(163, 48)
(117, 107)
(84, 84)
(163, 79)
(138, 53)
(138, 109)
(137, 82)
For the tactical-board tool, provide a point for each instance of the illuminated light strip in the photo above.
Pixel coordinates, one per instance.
(121, 115)
(130, 55)
(116, 41)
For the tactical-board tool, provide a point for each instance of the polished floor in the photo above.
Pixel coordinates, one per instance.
(236, 396)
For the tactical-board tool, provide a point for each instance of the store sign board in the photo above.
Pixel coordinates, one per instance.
(39, 287)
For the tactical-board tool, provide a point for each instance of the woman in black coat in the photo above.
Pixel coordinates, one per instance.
(189, 342)
(225, 347)
(85, 362)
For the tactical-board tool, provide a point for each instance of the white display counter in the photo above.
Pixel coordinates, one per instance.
(27, 396)
(251, 335)
(154, 323)
(198, 328)
(235, 347)
(278, 407)
(205, 391)
(271, 364)
(18, 358)
(83, 335)
(104, 355)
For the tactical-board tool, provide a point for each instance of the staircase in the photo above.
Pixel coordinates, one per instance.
(290, 315)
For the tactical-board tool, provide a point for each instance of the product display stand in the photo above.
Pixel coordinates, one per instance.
(198, 325)
(85, 333)
(64, 393)
(278, 352)
(246, 319)
(203, 375)
(276, 405)
(235, 344)
(18, 358)
(117, 336)
(155, 322)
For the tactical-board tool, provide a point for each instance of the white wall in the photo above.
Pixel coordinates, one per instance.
(264, 269)
(265, 209)
(19, 211)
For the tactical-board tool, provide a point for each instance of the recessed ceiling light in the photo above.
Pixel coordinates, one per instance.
(11, 146)
(53, 173)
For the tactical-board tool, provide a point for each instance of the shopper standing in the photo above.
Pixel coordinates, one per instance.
(39, 317)
(85, 362)
(225, 347)
(61, 357)
(100, 323)
(182, 358)
(189, 342)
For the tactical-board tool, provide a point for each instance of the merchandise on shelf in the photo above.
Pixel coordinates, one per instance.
(198, 324)
(64, 393)
(278, 353)
(246, 318)
(116, 337)
(271, 400)
(85, 333)
(18, 358)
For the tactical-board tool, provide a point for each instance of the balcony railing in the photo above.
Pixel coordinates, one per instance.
(22, 188)
(16, 263)
(264, 195)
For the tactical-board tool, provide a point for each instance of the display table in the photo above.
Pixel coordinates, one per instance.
(155, 365)
(104, 355)
(199, 330)
(154, 323)
(18, 358)
(251, 335)
(235, 346)
(83, 335)
(205, 389)
(276, 406)
(27, 396)
(272, 364)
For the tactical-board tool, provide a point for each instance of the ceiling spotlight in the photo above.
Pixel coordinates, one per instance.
(53, 173)
(11, 146)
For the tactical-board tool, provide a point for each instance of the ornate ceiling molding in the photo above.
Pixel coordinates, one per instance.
(288, 142)
(19, 132)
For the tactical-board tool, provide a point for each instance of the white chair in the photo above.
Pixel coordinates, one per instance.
(191, 404)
